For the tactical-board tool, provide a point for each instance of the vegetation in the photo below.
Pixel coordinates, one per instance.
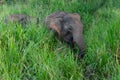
(33, 53)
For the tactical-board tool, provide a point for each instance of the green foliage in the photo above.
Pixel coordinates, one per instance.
(33, 53)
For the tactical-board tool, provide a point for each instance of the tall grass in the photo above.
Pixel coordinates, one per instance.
(34, 53)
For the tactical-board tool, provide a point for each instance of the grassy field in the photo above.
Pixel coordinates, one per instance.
(34, 53)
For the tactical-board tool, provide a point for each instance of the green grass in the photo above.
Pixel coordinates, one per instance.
(34, 53)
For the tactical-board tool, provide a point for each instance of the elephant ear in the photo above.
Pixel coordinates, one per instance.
(55, 26)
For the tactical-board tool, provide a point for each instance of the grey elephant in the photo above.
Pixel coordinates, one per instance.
(69, 28)
(21, 19)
